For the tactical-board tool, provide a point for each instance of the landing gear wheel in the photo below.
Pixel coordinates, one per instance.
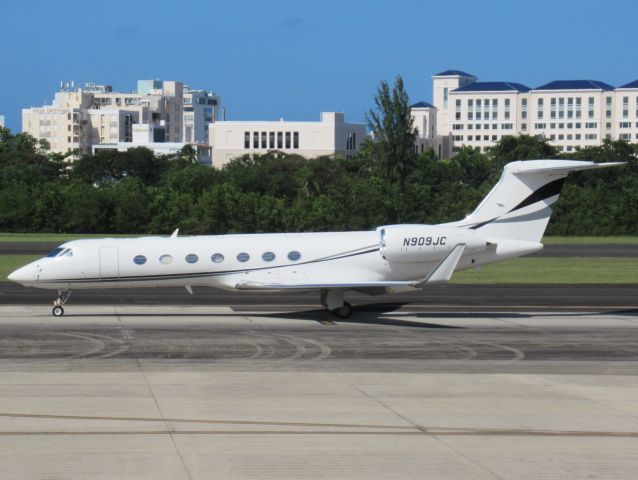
(58, 311)
(343, 312)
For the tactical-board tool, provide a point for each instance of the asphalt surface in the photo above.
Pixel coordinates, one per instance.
(42, 248)
(446, 298)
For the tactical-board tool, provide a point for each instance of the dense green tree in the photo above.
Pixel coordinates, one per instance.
(393, 130)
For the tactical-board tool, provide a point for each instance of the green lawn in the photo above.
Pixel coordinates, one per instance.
(617, 240)
(519, 270)
(9, 263)
(553, 270)
(56, 237)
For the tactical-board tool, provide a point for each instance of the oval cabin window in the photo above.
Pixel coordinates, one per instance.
(166, 259)
(139, 259)
(268, 256)
(217, 258)
(191, 258)
(294, 256)
(243, 257)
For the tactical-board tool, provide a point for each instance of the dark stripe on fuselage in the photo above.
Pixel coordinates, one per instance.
(179, 276)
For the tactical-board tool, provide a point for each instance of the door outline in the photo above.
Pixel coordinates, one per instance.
(109, 263)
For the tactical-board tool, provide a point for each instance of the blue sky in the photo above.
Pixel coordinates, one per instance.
(295, 59)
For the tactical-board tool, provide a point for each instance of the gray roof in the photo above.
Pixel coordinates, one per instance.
(422, 105)
(633, 84)
(453, 73)
(575, 85)
(493, 87)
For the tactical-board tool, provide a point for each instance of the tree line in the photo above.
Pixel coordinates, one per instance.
(386, 182)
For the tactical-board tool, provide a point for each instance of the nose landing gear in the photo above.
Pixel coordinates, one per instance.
(63, 296)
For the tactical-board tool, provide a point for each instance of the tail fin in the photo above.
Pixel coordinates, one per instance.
(520, 204)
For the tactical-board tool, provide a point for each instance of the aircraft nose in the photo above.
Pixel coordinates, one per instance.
(23, 274)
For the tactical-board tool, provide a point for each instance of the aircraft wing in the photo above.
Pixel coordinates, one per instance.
(439, 275)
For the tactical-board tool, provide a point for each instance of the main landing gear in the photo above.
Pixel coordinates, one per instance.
(63, 296)
(333, 301)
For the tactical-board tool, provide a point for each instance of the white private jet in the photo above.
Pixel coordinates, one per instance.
(508, 223)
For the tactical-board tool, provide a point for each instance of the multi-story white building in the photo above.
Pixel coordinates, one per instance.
(200, 109)
(571, 114)
(330, 136)
(425, 118)
(94, 114)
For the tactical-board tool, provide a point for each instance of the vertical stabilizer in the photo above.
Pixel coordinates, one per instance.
(520, 205)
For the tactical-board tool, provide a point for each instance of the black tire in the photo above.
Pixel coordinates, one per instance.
(57, 311)
(343, 312)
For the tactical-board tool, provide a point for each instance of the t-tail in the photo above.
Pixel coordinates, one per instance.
(520, 204)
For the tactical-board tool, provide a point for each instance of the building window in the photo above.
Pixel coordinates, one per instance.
(552, 113)
(246, 139)
(507, 109)
(608, 110)
(287, 139)
(280, 140)
(579, 102)
(539, 104)
(625, 107)
(295, 140)
(271, 140)
(191, 258)
(445, 95)
(243, 257)
(255, 139)
(590, 109)
(264, 136)
(139, 259)
(217, 258)
(561, 107)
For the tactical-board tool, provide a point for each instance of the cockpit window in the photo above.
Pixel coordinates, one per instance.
(54, 252)
(67, 253)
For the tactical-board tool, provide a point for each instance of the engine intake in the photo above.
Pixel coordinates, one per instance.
(425, 243)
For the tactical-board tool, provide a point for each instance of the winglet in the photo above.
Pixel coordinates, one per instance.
(444, 270)
(174, 235)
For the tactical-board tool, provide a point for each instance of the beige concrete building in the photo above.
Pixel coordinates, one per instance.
(329, 136)
(80, 118)
(571, 114)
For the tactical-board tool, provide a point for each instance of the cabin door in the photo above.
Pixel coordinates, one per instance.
(109, 265)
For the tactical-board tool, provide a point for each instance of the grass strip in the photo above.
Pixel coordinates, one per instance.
(558, 270)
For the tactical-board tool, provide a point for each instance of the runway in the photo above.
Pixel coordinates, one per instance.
(465, 298)
(289, 392)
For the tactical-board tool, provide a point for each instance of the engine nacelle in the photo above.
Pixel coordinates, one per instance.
(425, 243)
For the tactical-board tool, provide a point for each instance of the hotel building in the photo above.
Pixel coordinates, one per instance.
(571, 114)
